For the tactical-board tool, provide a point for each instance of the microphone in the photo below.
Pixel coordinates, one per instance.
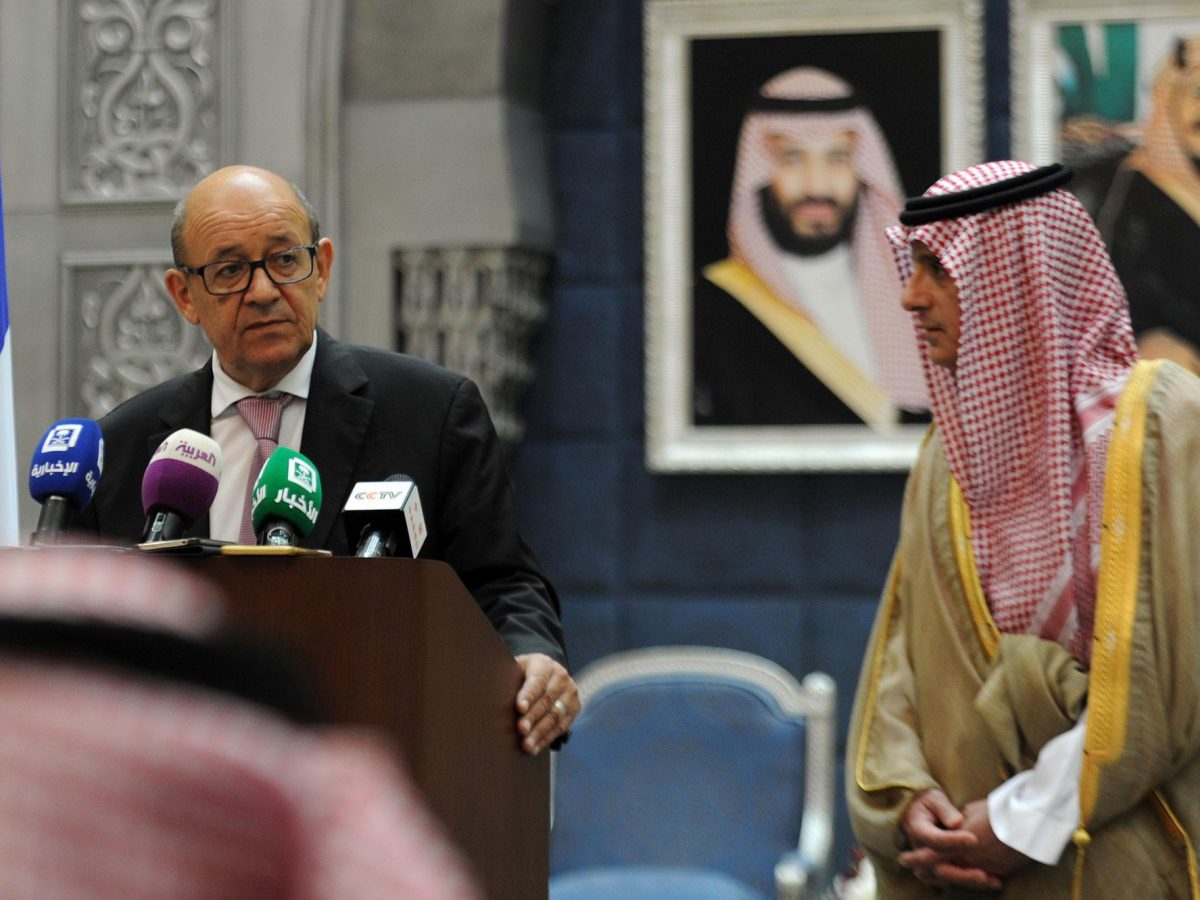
(286, 499)
(179, 484)
(63, 475)
(379, 512)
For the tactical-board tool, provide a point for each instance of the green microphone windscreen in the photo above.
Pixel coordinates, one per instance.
(288, 488)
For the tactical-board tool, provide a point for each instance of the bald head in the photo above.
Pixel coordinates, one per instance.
(217, 189)
(248, 216)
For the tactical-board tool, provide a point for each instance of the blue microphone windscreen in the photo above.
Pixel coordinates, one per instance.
(67, 462)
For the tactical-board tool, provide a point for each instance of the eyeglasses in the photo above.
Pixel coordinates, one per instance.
(232, 276)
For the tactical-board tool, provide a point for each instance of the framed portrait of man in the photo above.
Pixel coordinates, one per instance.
(1113, 90)
(781, 140)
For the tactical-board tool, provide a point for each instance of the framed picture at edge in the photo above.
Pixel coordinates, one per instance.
(1113, 90)
(740, 378)
(1088, 61)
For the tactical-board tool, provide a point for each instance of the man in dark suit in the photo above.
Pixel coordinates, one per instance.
(251, 269)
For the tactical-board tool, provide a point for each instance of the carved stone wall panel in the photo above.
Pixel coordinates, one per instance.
(121, 332)
(145, 97)
(475, 311)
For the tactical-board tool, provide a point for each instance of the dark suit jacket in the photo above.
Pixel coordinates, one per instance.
(370, 414)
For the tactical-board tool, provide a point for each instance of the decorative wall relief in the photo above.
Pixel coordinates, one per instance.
(121, 331)
(143, 83)
(475, 311)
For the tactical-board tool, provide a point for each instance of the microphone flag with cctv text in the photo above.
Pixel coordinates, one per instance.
(384, 518)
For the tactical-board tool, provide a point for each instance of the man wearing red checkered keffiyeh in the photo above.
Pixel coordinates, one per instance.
(1026, 708)
(799, 325)
(1045, 346)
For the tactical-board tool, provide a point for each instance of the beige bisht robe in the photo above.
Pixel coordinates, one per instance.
(946, 700)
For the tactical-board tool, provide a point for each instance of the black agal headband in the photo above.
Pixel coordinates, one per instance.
(760, 103)
(920, 210)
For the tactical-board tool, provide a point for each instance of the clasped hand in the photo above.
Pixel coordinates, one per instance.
(949, 847)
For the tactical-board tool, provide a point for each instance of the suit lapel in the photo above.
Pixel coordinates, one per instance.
(190, 407)
(335, 425)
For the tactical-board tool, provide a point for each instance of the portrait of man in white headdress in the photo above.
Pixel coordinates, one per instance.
(800, 323)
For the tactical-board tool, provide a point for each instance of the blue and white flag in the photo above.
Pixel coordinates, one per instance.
(9, 529)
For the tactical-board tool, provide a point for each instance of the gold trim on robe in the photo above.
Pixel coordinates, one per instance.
(944, 701)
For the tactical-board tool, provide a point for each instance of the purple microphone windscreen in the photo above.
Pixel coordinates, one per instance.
(183, 475)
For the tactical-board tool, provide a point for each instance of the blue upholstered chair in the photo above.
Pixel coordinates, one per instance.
(694, 773)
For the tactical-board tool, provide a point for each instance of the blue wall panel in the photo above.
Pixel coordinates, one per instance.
(786, 566)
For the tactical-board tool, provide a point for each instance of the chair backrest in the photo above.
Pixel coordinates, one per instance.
(696, 756)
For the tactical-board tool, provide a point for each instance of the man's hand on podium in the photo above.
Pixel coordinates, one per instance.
(547, 702)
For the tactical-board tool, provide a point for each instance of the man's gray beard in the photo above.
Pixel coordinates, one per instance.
(780, 228)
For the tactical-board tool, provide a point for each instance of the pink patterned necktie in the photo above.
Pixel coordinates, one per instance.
(262, 415)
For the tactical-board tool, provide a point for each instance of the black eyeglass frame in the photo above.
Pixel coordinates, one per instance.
(255, 264)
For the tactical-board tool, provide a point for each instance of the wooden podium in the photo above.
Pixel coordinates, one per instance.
(399, 645)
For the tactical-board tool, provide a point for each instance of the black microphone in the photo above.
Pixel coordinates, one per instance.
(63, 475)
(384, 518)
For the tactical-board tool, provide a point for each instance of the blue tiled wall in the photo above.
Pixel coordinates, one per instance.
(786, 566)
